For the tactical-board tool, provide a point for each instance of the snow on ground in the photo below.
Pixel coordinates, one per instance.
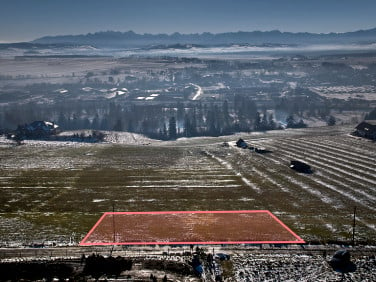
(366, 92)
(128, 138)
(229, 167)
(297, 267)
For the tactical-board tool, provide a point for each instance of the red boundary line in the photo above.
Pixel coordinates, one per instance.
(299, 240)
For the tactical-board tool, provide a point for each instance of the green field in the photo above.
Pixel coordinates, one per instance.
(54, 191)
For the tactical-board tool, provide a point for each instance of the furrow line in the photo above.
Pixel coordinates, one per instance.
(229, 167)
(344, 142)
(329, 152)
(344, 167)
(329, 170)
(368, 197)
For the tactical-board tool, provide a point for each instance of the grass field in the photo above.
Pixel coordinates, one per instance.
(57, 191)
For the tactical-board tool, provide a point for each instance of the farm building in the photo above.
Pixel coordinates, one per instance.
(37, 129)
(366, 129)
(241, 144)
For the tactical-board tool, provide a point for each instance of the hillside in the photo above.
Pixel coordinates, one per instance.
(51, 190)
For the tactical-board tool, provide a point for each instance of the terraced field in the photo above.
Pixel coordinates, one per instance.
(56, 191)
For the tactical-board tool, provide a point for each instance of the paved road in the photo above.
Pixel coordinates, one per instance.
(150, 251)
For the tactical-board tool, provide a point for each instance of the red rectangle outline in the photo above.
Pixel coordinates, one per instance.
(299, 240)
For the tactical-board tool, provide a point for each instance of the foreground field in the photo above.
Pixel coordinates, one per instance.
(189, 228)
(55, 192)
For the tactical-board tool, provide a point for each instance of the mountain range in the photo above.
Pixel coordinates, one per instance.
(132, 39)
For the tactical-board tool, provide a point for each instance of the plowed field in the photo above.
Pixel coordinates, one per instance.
(57, 191)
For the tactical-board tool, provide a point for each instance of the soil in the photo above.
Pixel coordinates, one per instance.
(189, 227)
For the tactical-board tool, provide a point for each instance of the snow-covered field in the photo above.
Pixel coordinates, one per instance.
(366, 92)
(297, 267)
(56, 191)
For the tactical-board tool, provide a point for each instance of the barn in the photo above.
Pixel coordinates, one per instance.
(37, 129)
(366, 129)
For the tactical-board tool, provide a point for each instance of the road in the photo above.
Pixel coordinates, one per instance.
(198, 93)
(172, 251)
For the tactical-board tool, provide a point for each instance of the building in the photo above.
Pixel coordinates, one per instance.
(37, 129)
(366, 129)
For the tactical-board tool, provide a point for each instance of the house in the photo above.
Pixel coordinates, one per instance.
(366, 129)
(241, 144)
(37, 129)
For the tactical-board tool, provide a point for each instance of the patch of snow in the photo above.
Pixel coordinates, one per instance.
(237, 173)
(98, 200)
(359, 67)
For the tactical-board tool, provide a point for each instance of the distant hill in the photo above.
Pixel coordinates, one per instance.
(132, 39)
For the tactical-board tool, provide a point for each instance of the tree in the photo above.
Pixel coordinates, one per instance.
(172, 128)
(226, 115)
(271, 124)
(118, 125)
(257, 121)
(290, 121)
(180, 112)
(95, 124)
(130, 126)
(331, 121)
(301, 124)
(264, 121)
(189, 127)
(371, 115)
(18, 138)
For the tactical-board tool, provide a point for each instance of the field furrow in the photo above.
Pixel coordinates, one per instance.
(361, 156)
(365, 167)
(324, 171)
(334, 165)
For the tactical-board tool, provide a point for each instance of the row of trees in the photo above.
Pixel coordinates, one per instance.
(160, 121)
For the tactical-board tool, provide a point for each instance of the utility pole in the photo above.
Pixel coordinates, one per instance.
(113, 222)
(353, 231)
(113, 228)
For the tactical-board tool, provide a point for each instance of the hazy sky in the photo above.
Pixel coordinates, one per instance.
(24, 20)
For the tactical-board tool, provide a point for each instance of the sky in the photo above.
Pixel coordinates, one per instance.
(25, 20)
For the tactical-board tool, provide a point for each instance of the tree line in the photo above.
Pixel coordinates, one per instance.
(161, 121)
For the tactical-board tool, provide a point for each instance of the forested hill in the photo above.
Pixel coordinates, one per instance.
(132, 39)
